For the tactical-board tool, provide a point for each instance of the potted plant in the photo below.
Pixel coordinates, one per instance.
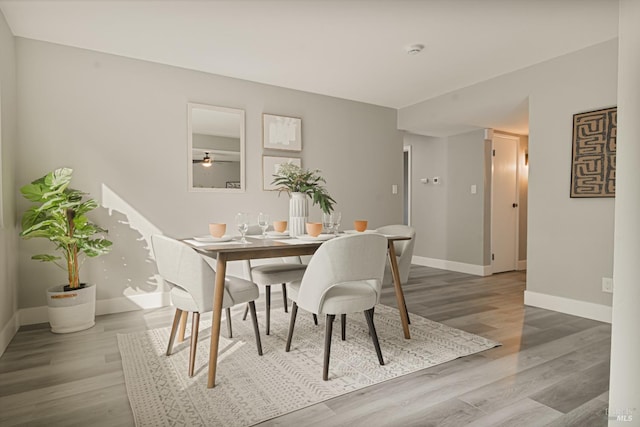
(59, 215)
(301, 184)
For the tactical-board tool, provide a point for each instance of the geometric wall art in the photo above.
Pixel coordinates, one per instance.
(593, 163)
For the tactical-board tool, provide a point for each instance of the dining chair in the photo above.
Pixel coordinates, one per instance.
(192, 278)
(344, 276)
(403, 249)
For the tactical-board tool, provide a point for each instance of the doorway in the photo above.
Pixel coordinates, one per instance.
(504, 203)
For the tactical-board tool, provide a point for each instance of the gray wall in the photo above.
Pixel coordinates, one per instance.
(8, 144)
(102, 114)
(450, 222)
(570, 241)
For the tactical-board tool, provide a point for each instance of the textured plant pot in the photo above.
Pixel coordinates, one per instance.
(298, 214)
(71, 311)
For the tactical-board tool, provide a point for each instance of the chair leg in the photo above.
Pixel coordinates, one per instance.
(183, 326)
(374, 336)
(292, 323)
(406, 310)
(228, 311)
(315, 319)
(343, 326)
(256, 330)
(246, 311)
(284, 298)
(195, 324)
(267, 295)
(174, 329)
(327, 345)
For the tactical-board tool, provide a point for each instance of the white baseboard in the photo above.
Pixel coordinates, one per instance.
(522, 265)
(461, 267)
(33, 315)
(589, 310)
(8, 331)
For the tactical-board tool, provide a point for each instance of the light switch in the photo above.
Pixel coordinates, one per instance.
(394, 189)
(474, 189)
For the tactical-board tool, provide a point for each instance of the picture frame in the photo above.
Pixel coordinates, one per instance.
(270, 165)
(281, 133)
(593, 157)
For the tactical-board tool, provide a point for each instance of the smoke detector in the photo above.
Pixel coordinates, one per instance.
(414, 49)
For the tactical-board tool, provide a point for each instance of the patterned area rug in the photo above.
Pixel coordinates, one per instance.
(251, 389)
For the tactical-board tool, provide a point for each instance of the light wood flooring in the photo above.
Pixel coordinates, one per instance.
(552, 369)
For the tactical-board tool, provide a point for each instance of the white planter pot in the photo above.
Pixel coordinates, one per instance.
(298, 213)
(71, 311)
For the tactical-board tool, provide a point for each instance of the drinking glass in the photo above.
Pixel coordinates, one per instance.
(242, 222)
(263, 223)
(337, 217)
(327, 222)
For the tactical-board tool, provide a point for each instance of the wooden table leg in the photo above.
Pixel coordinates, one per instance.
(393, 261)
(218, 294)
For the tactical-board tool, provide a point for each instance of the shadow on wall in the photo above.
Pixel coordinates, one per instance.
(129, 269)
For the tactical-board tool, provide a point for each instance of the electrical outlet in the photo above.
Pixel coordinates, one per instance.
(607, 285)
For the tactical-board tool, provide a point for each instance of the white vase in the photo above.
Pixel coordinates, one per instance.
(298, 213)
(71, 311)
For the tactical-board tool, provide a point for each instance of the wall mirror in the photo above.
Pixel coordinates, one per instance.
(216, 148)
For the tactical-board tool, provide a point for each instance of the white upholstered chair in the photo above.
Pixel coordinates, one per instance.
(344, 276)
(192, 278)
(286, 270)
(403, 249)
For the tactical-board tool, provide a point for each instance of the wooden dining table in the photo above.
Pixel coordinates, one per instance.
(273, 248)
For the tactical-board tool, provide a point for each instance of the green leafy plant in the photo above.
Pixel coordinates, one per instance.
(293, 179)
(59, 215)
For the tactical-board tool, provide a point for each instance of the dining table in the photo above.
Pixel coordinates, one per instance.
(258, 247)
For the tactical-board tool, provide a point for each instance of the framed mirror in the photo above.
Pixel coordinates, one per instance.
(216, 148)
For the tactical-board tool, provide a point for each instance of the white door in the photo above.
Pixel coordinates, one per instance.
(504, 203)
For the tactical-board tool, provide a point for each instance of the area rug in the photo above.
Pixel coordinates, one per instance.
(251, 388)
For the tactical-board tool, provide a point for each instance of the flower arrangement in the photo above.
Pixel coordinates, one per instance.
(293, 179)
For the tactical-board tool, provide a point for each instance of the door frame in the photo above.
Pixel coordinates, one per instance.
(408, 174)
(516, 140)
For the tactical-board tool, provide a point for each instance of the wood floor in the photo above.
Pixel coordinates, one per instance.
(552, 369)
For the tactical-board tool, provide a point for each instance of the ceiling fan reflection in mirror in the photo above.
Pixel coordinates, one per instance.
(206, 161)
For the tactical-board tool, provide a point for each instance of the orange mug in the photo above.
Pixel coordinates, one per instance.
(314, 228)
(280, 226)
(360, 225)
(217, 230)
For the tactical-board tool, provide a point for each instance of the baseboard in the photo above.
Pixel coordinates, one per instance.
(33, 315)
(8, 332)
(460, 267)
(522, 265)
(589, 310)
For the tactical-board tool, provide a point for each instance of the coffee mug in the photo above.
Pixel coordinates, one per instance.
(360, 225)
(280, 226)
(314, 228)
(217, 229)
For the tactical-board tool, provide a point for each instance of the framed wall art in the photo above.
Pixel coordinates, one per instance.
(270, 166)
(281, 133)
(593, 160)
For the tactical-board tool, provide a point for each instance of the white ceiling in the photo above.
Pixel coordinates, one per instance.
(353, 49)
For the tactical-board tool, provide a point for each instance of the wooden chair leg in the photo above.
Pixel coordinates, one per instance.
(292, 323)
(256, 330)
(174, 329)
(228, 311)
(195, 325)
(267, 295)
(246, 311)
(374, 336)
(183, 326)
(327, 345)
(315, 319)
(284, 298)
(343, 326)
